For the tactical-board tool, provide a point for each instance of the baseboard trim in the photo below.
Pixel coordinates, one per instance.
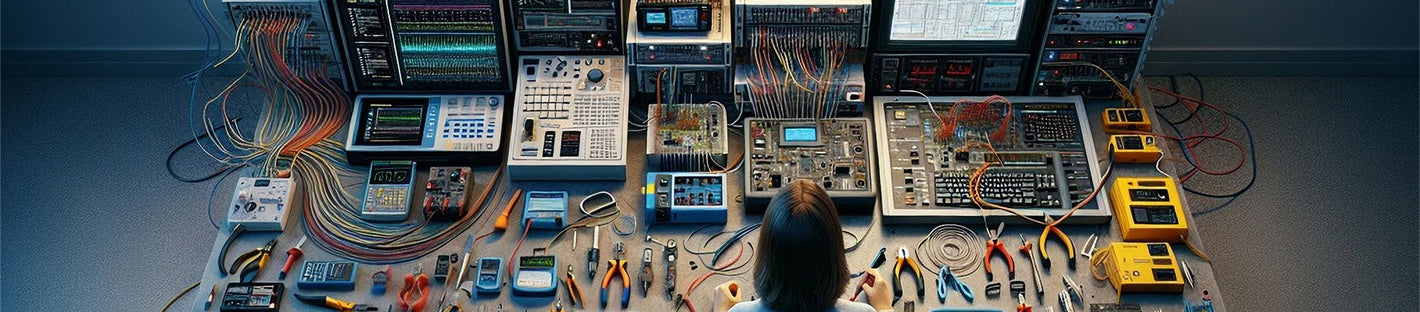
(1399, 62)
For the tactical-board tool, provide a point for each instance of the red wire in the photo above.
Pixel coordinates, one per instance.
(526, 227)
(696, 283)
(1195, 140)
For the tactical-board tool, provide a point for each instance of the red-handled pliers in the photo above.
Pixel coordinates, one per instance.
(415, 292)
(994, 245)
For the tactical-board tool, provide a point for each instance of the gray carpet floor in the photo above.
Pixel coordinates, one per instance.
(92, 222)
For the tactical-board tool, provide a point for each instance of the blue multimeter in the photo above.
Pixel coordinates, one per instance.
(537, 276)
(489, 278)
(546, 210)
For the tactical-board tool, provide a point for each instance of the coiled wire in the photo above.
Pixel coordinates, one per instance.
(954, 246)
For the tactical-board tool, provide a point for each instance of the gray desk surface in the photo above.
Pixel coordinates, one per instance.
(628, 194)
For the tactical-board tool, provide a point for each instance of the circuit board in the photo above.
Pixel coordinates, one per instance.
(687, 137)
(1043, 159)
(446, 192)
(834, 152)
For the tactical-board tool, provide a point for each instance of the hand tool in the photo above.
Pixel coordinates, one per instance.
(1071, 288)
(646, 274)
(993, 246)
(867, 280)
(617, 266)
(1087, 252)
(338, 305)
(1051, 228)
(222, 256)
(502, 223)
(453, 307)
(558, 307)
(946, 281)
(468, 262)
(882, 257)
(251, 262)
(903, 257)
(594, 255)
(291, 256)
(993, 289)
(1065, 304)
(1022, 307)
(574, 290)
(415, 292)
(1034, 266)
(670, 251)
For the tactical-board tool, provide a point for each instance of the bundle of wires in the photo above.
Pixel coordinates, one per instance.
(952, 246)
(1193, 105)
(795, 77)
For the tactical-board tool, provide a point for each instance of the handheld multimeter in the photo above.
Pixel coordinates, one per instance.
(387, 191)
(536, 277)
(546, 210)
(490, 276)
(338, 275)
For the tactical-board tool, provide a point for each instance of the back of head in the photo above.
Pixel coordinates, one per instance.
(799, 264)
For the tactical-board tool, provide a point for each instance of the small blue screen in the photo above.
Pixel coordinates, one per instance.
(656, 18)
(800, 134)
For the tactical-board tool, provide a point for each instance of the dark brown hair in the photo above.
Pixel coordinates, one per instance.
(799, 265)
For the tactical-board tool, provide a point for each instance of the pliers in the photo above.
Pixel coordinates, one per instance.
(573, 290)
(617, 266)
(946, 281)
(994, 245)
(903, 257)
(251, 262)
(338, 305)
(1050, 228)
(415, 293)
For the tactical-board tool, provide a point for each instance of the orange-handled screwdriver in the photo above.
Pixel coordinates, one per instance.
(502, 223)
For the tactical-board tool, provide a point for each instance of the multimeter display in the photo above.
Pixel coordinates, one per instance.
(390, 173)
(490, 275)
(536, 276)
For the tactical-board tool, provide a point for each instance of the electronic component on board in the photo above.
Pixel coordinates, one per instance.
(426, 128)
(1134, 149)
(681, 197)
(388, 190)
(261, 204)
(252, 297)
(425, 45)
(828, 40)
(836, 153)
(687, 137)
(335, 275)
(569, 119)
(1042, 153)
(446, 192)
(1148, 209)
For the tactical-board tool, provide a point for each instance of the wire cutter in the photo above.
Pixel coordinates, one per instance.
(338, 305)
(993, 246)
(946, 281)
(251, 262)
(903, 257)
(1050, 228)
(617, 266)
(415, 293)
(574, 291)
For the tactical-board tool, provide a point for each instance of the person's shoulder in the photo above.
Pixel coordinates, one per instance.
(853, 306)
(749, 306)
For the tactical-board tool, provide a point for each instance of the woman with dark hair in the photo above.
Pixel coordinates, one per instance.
(799, 265)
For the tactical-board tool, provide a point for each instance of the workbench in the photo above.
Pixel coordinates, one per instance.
(628, 195)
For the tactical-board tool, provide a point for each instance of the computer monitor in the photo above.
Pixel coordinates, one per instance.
(1000, 26)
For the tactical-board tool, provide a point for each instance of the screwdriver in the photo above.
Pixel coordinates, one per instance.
(291, 256)
(502, 223)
